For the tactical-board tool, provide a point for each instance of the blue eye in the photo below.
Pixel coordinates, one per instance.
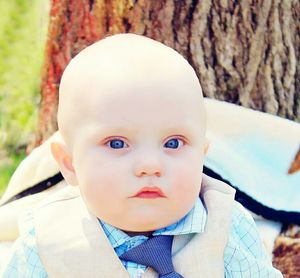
(173, 143)
(117, 144)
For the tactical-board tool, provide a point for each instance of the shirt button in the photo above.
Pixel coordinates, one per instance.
(139, 273)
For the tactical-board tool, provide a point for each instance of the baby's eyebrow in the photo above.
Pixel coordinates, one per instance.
(166, 131)
(181, 129)
(116, 129)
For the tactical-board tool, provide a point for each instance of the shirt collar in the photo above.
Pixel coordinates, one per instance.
(193, 222)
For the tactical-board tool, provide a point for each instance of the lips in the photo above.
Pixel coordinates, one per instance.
(149, 192)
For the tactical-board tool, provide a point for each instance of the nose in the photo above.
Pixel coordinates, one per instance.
(148, 165)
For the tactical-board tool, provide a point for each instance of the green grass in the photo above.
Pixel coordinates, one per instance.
(8, 166)
(23, 27)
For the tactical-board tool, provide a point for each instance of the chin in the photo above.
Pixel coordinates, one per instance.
(151, 224)
(146, 226)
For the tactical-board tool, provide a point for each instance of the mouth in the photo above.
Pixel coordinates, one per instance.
(149, 192)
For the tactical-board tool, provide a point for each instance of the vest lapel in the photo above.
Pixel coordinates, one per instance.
(71, 242)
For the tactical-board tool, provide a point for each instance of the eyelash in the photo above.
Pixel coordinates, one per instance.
(177, 138)
(107, 143)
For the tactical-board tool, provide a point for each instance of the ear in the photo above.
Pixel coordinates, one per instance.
(64, 160)
(206, 146)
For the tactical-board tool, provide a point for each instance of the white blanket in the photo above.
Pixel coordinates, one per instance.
(253, 151)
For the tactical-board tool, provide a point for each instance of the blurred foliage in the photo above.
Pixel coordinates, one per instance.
(8, 166)
(23, 28)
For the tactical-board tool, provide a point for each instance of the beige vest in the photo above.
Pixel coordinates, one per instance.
(71, 242)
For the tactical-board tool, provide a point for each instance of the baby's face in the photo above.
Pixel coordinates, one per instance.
(137, 147)
(139, 157)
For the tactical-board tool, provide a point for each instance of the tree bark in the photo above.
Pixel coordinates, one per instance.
(244, 52)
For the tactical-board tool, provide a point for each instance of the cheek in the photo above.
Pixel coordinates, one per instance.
(187, 177)
(94, 166)
(101, 180)
(101, 191)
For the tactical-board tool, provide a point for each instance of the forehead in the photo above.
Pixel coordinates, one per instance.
(155, 106)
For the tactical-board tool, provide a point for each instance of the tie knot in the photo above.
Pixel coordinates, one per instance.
(156, 253)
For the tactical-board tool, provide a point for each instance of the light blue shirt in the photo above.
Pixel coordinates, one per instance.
(244, 254)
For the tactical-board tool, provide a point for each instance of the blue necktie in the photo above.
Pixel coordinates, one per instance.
(156, 253)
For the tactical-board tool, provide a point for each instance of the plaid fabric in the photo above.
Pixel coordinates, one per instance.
(24, 260)
(244, 254)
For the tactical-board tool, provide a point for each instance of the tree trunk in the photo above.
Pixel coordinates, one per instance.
(244, 52)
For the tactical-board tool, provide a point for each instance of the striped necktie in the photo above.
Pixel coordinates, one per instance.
(156, 253)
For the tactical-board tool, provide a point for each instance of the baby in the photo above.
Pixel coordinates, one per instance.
(132, 120)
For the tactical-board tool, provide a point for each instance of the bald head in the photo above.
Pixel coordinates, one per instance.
(122, 66)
